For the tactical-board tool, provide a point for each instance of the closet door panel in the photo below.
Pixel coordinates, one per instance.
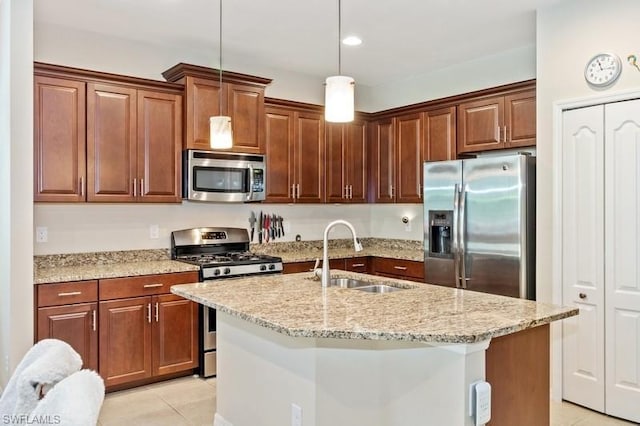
(622, 262)
(582, 254)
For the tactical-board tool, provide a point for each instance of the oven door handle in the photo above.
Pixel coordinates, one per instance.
(251, 181)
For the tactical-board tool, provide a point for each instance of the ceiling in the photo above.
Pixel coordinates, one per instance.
(401, 38)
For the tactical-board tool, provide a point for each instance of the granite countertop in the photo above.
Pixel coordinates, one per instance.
(91, 266)
(303, 251)
(297, 306)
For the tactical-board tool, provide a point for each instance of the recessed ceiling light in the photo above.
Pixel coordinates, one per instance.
(352, 41)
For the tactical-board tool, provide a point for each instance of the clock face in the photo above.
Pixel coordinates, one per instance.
(603, 69)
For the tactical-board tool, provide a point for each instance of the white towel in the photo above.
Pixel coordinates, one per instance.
(75, 401)
(45, 364)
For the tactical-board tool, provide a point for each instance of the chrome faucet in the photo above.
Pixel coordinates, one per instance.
(325, 278)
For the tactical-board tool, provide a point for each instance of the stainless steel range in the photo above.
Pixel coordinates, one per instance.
(221, 253)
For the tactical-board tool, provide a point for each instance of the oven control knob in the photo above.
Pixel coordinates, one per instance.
(227, 271)
(216, 272)
(272, 267)
(263, 267)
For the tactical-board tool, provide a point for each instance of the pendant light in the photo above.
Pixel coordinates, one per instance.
(220, 133)
(339, 89)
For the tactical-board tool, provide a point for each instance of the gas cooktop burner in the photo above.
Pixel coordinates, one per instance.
(215, 259)
(227, 255)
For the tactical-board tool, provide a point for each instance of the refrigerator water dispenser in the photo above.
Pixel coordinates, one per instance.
(441, 223)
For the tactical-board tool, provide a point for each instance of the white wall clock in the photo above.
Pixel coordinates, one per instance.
(603, 69)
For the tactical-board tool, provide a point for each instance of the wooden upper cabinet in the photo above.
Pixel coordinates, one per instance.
(335, 154)
(480, 124)
(294, 154)
(202, 100)
(439, 135)
(309, 157)
(59, 140)
(242, 99)
(382, 161)
(245, 106)
(346, 162)
(497, 122)
(279, 129)
(355, 135)
(111, 143)
(409, 137)
(133, 144)
(520, 119)
(159, 146)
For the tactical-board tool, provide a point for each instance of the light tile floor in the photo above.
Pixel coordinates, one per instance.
(192, 401)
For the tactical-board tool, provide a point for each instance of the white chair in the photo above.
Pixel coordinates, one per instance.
(47, 362)
(75, 401)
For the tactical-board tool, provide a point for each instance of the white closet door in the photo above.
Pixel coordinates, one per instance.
(622, 262)
(582, 256)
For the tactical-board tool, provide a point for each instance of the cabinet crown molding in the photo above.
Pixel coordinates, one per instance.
(181, 70)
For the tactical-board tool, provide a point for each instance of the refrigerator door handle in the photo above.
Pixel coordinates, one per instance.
(455, 239)
(463, 223)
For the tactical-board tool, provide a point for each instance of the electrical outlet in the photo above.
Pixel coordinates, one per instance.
(407, 226)
(296, 415)
(42, 234)
(154, 232)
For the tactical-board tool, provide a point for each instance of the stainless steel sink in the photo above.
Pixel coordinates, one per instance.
(347, 283)
(378, 288)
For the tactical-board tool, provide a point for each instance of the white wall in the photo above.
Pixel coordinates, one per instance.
(16, 183)
(63, 46)
(106, 227)
(507, 67)
(568, 34)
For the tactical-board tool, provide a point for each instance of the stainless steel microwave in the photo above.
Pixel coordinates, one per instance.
(223, 176)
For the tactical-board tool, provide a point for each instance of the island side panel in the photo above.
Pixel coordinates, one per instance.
(517, 367)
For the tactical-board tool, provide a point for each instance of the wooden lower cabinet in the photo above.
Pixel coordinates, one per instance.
(74, 324)
(151, 334)
(398, 268)
(360, 264)
(174, 335)
(67, 311)
(131, 330)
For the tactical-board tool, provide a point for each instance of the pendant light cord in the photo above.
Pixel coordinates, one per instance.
(220, 70)
(339, 36)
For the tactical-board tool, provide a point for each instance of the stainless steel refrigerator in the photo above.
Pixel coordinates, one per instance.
(479, 224)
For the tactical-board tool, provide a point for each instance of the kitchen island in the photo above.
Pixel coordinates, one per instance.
(348, 357)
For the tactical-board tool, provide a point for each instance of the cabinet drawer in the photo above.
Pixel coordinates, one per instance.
(67, 293)
(398, 267)
(357, 264)
(145, 285)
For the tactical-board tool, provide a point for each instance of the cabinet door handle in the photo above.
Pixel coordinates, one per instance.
(81, 186)
(400, 268)
(142, 187)
(152, 285)
(351, 191)
(298, 190)
(504, 133)
(135, 187)
(390, 191)
(93, 320)
(345, 191)
(357, 265)
(419, 190)
(498, 134)
(71, 293)
(149, 313)
(157, 312)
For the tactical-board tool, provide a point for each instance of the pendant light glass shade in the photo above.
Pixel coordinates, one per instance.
(338, 99)
(220, 133)
(339, 89)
